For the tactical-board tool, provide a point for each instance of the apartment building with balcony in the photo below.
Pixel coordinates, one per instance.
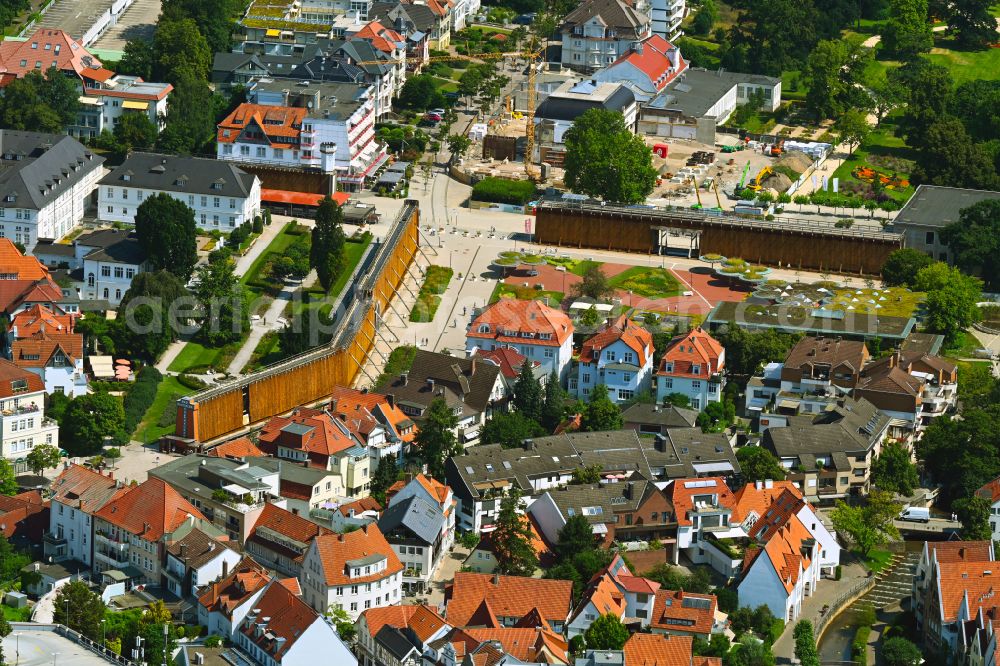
(77, 493)
(913, 389)
(224, 603)
(666, 17)
(817, 372)
(196, 560)
(619, 356)
(134, 528)
(692, 366)
(599, 32)
(23, 423)
(376, 420)
(704, 509)
(538, 332)
(353, 571)
(280, 540)
(231, 494)
(315, 126)
(830, 455)
(416, 530)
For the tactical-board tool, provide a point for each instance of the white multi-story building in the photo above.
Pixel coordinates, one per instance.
(22, 412)
(692, 366)
(353, 571)
(537, 331)
(221, 195)
(598, 32)
(110, 259)
(77, 493)
(325, 127)
(619, 356)
(47, 182)
(666, 16)
(196, 560)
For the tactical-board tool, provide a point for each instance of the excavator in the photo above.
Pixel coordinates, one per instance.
(697, 193)
(756, 185)
(743, 178)
(715, 186)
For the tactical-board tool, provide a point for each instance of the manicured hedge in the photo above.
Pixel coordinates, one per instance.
(141, 396)
(502, 190)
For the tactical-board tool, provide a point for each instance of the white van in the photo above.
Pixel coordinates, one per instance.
(916, 514)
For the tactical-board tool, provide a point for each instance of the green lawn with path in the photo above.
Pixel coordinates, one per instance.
(965, 65)
(885, 152)
(502, 289)
(647, 281)
(167, 393)
(574, 266)
(278, 245)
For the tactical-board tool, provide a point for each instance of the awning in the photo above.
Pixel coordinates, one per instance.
(272, 33)
(101, 367)
(599, 528)
(235, 489)
(138, 106)
(706, 468)
(788, 404)
(89, 101)
(471, 435)
(300, 198)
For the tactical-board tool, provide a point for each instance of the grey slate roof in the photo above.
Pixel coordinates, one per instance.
(669, 415)
(36, 168)
(413, 16)
(462, 382)
(396, 642)
(597, 503)
(563, 108)
(698, 90)
(415, 514)
(173, 173)
(852, 427)
(124, 251)
(666, 457)
(616, 14)
(936, 206)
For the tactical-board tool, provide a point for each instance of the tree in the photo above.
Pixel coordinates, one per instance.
(824, 78)
(43, 457)
(952, 298)
(553, 406)
(898, 651)
(512, 538)
(901, 267)
(88, 419)
(927, 90)
(328, 242)
(589, 474)
(750, 652)
(435, 441)
(151, 311)
(894, 470)
(85, 609)
(528, 393)
(907, 30)
(705, 18)
(869, 524)
(40, 103)
(458, 144)
(605, 159)
(962, 454)
(606, 633)
(717, 646)
(974, 240)
(853, 127)
(137, 59)
(386, 474)
(179, 46)
(973, 103)
(805, 644)
(886, 95)
(167, 234)
(746, 350)
(593, 284)
(974, 513)
(311, 328)
(972, 23)
(191, 122)
(575, 537)
(343, 623)
(135, 131)
(590, 318)
(759, 464)
(216, 20)
(223, 302)
(716, 416)
(8, 479)
(509, 429)
(601, 414)
(948, 156)
(419, 93)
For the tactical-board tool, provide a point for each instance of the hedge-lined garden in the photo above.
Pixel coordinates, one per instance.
(140, 396)
(501, 190)
(435, 282)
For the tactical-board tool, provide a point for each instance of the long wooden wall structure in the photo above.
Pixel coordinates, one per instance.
(313, 375)
(812, 244)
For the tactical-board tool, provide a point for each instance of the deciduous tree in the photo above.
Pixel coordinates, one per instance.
(512, 538)
(328, 242)
(509, 429)
(952, 298)
(853, 128)
(869, 524)
(759, 464)
(898, 651)
(605, 159)
(76, 607)
(805, 644)
(601, 414)
(435, 441)
(8, 479)
(894, 470)
(151, 313)
(974, 512)
(972, 23)
(901, 267)
(43, 457)
(223, 301)
(135, 131)
(88, 420)
(974, 240)
(606, 633)
(167, 234)
(386, 474)
(593, 284)
(907, 30)
(179, 45)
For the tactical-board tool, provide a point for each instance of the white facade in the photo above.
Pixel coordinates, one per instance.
(219, 624)
(354, 598)
(594, 45)
(108, 280)
(611, 369)
(23, 425)
(63, 375)
(118, 203)
(73, 525)
(176, 571)
(699, 391)
(55, 219)
(550, 357)
(667, 16)
(762, 585)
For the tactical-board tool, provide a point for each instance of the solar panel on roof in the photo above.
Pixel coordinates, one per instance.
(694, 602)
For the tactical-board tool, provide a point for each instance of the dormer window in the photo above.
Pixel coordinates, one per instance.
(126, 177)
(696, 369)
(669, 367)
(484, 328)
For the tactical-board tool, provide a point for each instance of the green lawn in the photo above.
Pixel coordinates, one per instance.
(884, 152)
(195, 354)
(899, 301)
(877, 560)
(429, 298)
(651, 282)
(574, 266)
(167, 394)
(553, 298)
(963, 346)
(353, 252)
(277, 247)
(965, 65)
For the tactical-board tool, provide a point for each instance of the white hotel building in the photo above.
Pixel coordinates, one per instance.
(221, 195)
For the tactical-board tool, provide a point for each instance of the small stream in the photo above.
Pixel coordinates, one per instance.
(896, 586)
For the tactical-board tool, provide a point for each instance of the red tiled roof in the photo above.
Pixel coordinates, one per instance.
(658, 650)
(510, 360)
(509, 596)
(362, 411)
(288, 524)
(532, 645)
(336, 550)
(682, 492)
(289, 617)
(83, 488)
(654, 61)
(225, 595)
(693, 348)
(979, 582)
(13, 293)
(962, 551)
(235, 448)
(670, 612)
(621, 329)
(149, 510)
(38, 350)
(509, 319)
(25, 267)
(40, 317)
(423, 621)
(360, 506)
(46, 46)
(785, 552)
(11, 373)
(309, 430)
(274, 121)
(24, 516)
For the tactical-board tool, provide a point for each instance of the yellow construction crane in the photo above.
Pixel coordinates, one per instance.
(531, 56)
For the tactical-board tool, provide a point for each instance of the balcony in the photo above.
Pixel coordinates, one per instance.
(52, 539)
(115, 557)
(19, 411)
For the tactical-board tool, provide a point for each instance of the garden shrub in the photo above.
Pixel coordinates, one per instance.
(141, 396)
(502, 190)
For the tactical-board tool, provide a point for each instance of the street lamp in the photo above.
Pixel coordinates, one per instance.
(17, 640)
(104, 635)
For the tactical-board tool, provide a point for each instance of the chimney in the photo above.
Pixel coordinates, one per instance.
(475, 361)
(430, 384)
(758, 485)
(183, 550)
(630, 489)
(404, 377)
(768, 484)
(660, 443)
(199, 658)
(496, 578)
(528, 444)
(391, 399)
(225, 568)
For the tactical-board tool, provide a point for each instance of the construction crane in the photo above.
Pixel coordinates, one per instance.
(531, 56)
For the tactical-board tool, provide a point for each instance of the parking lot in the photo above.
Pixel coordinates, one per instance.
(35, 648)
(138, 22)
(74, 16)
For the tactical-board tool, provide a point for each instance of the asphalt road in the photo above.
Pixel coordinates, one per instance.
(35, 648)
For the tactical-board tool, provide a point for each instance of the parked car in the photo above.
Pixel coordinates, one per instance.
(916, 514)
(433, 117)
